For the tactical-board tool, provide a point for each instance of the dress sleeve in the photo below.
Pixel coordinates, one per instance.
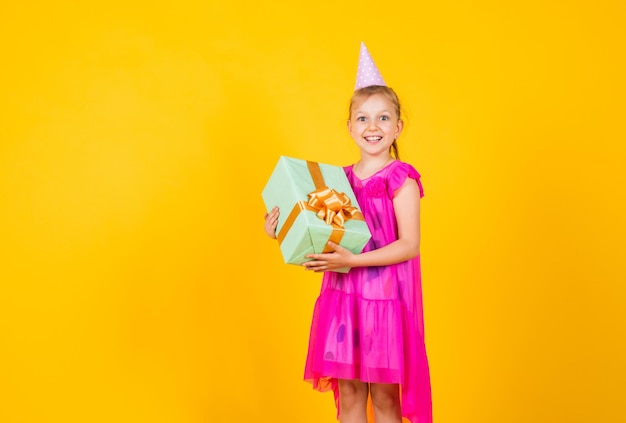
(399, 174)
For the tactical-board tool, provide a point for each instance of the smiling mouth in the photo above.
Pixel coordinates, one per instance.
(373, 138)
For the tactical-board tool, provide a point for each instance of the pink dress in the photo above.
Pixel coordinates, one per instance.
(368, 323)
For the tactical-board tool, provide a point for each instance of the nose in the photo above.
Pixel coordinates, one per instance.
(372, 125)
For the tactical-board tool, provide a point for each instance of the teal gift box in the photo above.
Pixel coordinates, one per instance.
(316, 205)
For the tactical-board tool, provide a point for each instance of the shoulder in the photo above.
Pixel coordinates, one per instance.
(398, 174)
(400, 167)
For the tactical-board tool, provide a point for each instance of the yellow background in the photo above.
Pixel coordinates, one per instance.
(137, 284)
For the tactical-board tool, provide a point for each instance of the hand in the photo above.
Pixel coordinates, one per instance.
(339, 258)
(271, 220)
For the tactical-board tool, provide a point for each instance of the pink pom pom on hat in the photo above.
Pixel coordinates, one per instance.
(367, 72)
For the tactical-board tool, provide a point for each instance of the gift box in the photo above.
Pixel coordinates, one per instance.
(316, 205)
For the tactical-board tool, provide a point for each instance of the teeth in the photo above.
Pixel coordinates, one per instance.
(373, 138)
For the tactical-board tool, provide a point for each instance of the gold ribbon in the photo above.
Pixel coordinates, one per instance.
(334, 208)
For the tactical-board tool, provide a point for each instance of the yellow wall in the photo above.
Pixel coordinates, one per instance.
(135, 138)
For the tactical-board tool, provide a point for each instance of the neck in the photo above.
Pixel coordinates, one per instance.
(369, 165)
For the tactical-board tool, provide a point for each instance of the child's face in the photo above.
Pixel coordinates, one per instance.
(374, 125)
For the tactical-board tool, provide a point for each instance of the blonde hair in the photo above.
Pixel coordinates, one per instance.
(364, 93)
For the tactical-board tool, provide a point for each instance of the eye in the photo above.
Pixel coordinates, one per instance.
(361, 119)
(384, 117)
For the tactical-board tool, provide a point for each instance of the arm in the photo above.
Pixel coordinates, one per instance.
(406, 205)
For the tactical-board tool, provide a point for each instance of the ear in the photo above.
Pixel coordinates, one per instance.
(399, 127)
(349, 124)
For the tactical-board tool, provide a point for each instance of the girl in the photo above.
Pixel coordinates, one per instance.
(367, 334)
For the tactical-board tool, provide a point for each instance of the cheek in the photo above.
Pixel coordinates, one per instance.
(389, 126)
(356, 129)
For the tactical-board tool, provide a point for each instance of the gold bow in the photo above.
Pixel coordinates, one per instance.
(332, 207)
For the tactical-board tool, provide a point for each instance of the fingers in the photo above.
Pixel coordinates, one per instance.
(271, 222)
(319, 262)
(339, 258)
(272, 214)
(323, 257)
(272, 217)
(335, 247)
(316, 265)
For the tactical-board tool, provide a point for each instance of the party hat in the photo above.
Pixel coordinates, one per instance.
(367, 73)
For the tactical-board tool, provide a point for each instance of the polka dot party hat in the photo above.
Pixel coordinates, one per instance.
(367, 73)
